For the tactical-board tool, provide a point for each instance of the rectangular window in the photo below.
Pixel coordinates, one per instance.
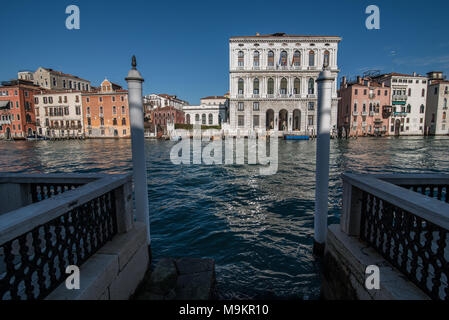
(310, 120)
(255, 121)
(311, 106)
(240, 106)
(256, 106)
(356, 92)
(241, 121)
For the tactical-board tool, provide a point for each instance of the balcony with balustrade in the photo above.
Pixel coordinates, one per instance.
(49, 222)
(397, 222)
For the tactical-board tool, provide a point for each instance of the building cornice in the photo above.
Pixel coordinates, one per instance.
(311, 39)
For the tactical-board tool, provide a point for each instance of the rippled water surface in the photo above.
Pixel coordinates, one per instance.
(259, 229)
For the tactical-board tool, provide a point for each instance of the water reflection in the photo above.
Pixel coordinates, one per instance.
(257, 228)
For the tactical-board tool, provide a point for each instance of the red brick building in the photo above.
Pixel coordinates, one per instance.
(17, 115)
(364, 108)
(161, 116)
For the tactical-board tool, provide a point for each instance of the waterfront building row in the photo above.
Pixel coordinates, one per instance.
(101, 113)
(393, 104)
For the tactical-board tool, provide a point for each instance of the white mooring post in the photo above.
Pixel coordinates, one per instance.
(324, 81)
(135, 102)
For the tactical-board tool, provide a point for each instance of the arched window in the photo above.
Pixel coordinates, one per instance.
(270, 58)
(241, 59)
(219, 119)
(188, 118)
(326, 58)
(211, 118)
(409, 92)
(445, 103)
(311, 86)
(444, 115)
(421, 109)
(283, 58)
(297, 58)
(240, 86)
(203, 118)
(256, 59)
(270, 86)
(409, 108)
(283, 86)
(423, 92)
(297, 86)
(197, 118)
(123, 121)
(256, 86)
(311, 58)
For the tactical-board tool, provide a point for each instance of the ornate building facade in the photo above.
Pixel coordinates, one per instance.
(408, 99)
(273, 81)
(59, 113)
(437, 112)
(212, 111)
(17, 116)
(106, 112)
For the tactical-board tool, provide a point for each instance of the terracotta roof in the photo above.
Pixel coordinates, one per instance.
(214, 97)
(46, 91)
(439, 82)
(283, 35)
(394, 74)
(64, 74)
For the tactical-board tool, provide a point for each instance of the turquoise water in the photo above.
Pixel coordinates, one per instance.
(259, 229)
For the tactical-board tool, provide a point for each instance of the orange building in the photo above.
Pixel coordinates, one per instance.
(106, 112)
(364, 108)
(17, 117)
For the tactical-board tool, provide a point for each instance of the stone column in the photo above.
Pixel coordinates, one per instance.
(322, 159)
(276, 120)
(135, 100)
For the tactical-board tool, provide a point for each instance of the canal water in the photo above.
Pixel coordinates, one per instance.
(259, 229)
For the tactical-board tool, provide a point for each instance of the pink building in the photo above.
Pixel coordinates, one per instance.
(363, 108)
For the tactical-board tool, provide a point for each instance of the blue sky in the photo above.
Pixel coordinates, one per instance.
(182, 46)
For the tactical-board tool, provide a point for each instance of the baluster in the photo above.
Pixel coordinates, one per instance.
(38, 260)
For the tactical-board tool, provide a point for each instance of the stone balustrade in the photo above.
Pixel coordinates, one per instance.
(48, 222)
(399, 223)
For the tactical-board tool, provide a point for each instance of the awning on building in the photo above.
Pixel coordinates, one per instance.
(398, 102)
(4, 104)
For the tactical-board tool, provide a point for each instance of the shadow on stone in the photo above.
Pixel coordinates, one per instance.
(179, 279)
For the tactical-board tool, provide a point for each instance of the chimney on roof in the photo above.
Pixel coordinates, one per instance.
(343, 82)
(257, 34)
(414, 74)
(359, 80)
